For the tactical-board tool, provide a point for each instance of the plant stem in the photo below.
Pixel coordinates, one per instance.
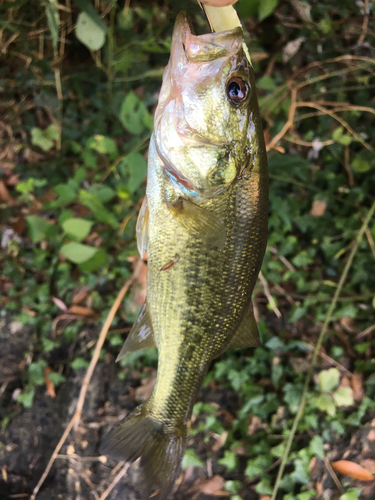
(323, 331)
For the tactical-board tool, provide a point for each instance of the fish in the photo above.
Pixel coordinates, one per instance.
(203, 224)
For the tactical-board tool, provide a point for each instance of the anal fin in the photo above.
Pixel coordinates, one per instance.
(247, 334)
(141, 335)
(200, 222)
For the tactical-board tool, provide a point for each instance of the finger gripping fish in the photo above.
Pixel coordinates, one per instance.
(204, 226)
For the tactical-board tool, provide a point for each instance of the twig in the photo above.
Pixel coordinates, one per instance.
(323, 331)
(267, 292)
(332, 473)
(90, 370)
(365, 332)
(288, 124)
(362, 37)
(116, 479)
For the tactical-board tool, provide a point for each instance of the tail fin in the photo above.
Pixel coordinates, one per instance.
(160, 445)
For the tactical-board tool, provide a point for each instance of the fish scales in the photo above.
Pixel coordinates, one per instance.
(204, 225)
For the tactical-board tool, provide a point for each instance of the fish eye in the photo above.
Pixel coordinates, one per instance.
(237, 90)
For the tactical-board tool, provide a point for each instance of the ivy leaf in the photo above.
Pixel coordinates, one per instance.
(134, 115)
(77, 228)
(77, 252)
(191, 459)
(329, 379)
(325, 403)
(343, 396)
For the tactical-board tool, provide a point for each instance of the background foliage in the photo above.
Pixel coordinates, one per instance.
(80, 84)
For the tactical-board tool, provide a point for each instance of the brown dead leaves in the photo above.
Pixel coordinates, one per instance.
(352, 469)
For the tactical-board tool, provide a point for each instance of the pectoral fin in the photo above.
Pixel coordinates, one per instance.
(142, 228)
(200, 222)
(247, 334)
(141, 335)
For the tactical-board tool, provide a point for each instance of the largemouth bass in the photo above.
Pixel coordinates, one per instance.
(204, 226)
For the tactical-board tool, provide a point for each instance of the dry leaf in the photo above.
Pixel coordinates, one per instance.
(347, 324)
(208, 486)
(49, 384)
(369, 464)
(357, 386)
(264, 497)
(80, 295)
(220, 441)
(254, 426)
(59, 303)
(82, 311)
(4, 193)
(291, 48)
(318, 208)
(352, 469)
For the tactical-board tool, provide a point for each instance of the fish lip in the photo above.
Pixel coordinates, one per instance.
(205, 47)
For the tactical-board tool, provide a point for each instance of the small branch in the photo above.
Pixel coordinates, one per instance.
(117, 478)
(288, 124)
(270, 299)
(323, 331)
(90, 370)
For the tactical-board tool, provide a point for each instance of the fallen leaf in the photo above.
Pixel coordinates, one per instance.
(82, 311)
(291, 48)
(318, 208)
(357, 386)
(80, 295)
(352, 469)
(59, 303)
(369, 464)
(49, 384)
(347, 324)
(255, 425)
(220, 441)
(264, 497)
(4, 193)
(208, 486)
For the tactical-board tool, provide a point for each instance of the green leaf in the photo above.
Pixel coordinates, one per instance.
(89, 32)
(40, 139)
(233, 486)
(134, 115)
(339, 136)
(191, 459)
(39, 228)
(264, 487)
(77, 228)
(26, 398)
(351, 494)
(96, 206)
(77, 252)
(360, 164)
(230, 460)
(266, 82)
(247, 8)
(316, 447)
(343, 396)
(104, 193)
(88, 7)
(36, 372)
(99, 259)
(329, 379)
(56, 378)
(325, 403)
(52, 132)
(79, 363)
(102, 144)
(133, 167)
(266, 7)
(53, 19)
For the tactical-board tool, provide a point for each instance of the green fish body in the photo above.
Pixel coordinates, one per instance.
(204, 226)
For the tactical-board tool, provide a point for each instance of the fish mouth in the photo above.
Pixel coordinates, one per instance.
(202, 48)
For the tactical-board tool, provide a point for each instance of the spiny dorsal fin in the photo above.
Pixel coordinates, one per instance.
(142, 228)
(247, 334)
(141, 335)
(200, 222)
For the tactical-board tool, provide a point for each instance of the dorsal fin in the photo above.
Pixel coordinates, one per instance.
(199, 222)
(141, 336)
(247, 334)
(142, 228)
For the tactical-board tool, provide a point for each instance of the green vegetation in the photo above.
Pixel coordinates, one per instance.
(77, 117)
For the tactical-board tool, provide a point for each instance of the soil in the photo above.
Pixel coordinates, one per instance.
(80, 472)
